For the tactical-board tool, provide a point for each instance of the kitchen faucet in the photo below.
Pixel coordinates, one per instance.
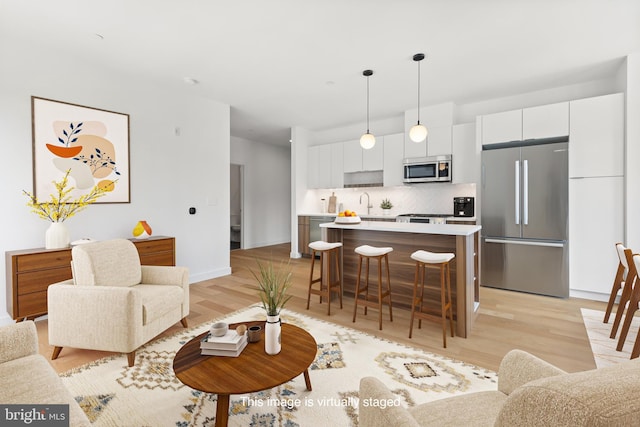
(369, 205)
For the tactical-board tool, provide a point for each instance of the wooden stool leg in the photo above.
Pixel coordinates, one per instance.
(325, 284)
(423, 267)
(450, 303)
(443, 307)
(631, 310)
(380, 293)
(614, 292)
(366, 283)
(386, 260)
(337, 253)
(355, 305)
(413, 299)
(313, 261)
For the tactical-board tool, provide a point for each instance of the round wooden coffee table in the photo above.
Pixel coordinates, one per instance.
(254, 370)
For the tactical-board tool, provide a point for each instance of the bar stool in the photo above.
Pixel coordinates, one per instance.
(326, 285)
(368, 252)
(423, 260)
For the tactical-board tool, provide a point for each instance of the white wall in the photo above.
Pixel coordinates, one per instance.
(632, 157)
(169, 173)
(267, 191)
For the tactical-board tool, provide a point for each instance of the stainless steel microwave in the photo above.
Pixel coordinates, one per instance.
(427, 169)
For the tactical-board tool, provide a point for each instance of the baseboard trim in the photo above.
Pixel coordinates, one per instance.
(595, 296)
(201, 277)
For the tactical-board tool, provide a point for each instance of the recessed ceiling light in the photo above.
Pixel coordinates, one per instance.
(190, 81)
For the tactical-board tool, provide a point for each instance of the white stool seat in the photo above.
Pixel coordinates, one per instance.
(366, 250)
(321, 245)
(431, 257)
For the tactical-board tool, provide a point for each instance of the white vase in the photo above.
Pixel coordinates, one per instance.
(386, 211)
(56, 236)
(272, 332)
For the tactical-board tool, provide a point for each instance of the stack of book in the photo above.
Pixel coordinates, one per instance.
(230, 344)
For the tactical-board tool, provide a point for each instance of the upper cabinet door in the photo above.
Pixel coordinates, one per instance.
(545, 121)
(352, 156)
(393, 155)
(337, 165)
(415, 149)
(373, 158)
(502, 127)
(596, 136)
(439, 140)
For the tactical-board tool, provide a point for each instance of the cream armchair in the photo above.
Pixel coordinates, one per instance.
(531, 393)
(113, 303)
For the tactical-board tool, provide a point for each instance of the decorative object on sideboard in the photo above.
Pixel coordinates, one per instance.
(418, 132)
(61, 207)
(142, 230)
(386, 206)
(273, 285)
(367, 140)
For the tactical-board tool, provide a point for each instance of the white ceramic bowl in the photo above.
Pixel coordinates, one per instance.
(218, 329)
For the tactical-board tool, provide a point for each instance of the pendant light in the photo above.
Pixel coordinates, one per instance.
(418, 132)
(367, 141)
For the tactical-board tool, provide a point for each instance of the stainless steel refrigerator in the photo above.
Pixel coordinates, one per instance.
(525, 217)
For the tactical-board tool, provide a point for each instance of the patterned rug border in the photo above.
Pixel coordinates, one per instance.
(191, 329)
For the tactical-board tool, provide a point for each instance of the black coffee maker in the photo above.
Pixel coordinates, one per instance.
(464, 206)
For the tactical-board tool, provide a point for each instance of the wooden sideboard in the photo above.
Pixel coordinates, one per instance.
(31, 271)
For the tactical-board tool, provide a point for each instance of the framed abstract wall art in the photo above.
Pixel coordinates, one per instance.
(92, 143)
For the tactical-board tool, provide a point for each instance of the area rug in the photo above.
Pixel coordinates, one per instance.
(149, 394)
(603, 347)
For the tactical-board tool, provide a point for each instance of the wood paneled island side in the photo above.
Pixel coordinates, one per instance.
(405, 238)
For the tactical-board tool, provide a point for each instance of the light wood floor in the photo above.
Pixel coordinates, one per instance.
(550, 328)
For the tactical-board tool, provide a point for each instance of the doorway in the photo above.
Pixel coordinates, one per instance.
(236, 206)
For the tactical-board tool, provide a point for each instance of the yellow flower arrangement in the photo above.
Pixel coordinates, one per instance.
(61, 207)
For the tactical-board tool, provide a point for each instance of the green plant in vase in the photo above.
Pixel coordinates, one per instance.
(273, 284)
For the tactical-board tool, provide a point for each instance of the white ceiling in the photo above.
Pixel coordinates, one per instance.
(284, 63)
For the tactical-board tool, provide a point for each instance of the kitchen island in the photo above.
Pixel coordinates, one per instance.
(406, 238)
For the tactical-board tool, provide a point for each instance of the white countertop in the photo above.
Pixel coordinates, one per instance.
(404, 227)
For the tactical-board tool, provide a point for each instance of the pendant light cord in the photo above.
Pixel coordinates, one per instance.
(418, 92)
(367, 104)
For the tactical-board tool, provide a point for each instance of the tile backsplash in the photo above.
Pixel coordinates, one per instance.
(432, 198)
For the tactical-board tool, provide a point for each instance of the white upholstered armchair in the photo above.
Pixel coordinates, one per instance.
(113, 303)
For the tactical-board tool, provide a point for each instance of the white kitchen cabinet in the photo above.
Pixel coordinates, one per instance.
(596, 224)
(502, 127)
(337, 165)
(356, 159)
(439, 141)
(312, 167)
(596, 136)
(545, 121)
(393, 155)
(465, 156)
(373, 158)
(415, 149)
(352, 156)
(319, 166)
